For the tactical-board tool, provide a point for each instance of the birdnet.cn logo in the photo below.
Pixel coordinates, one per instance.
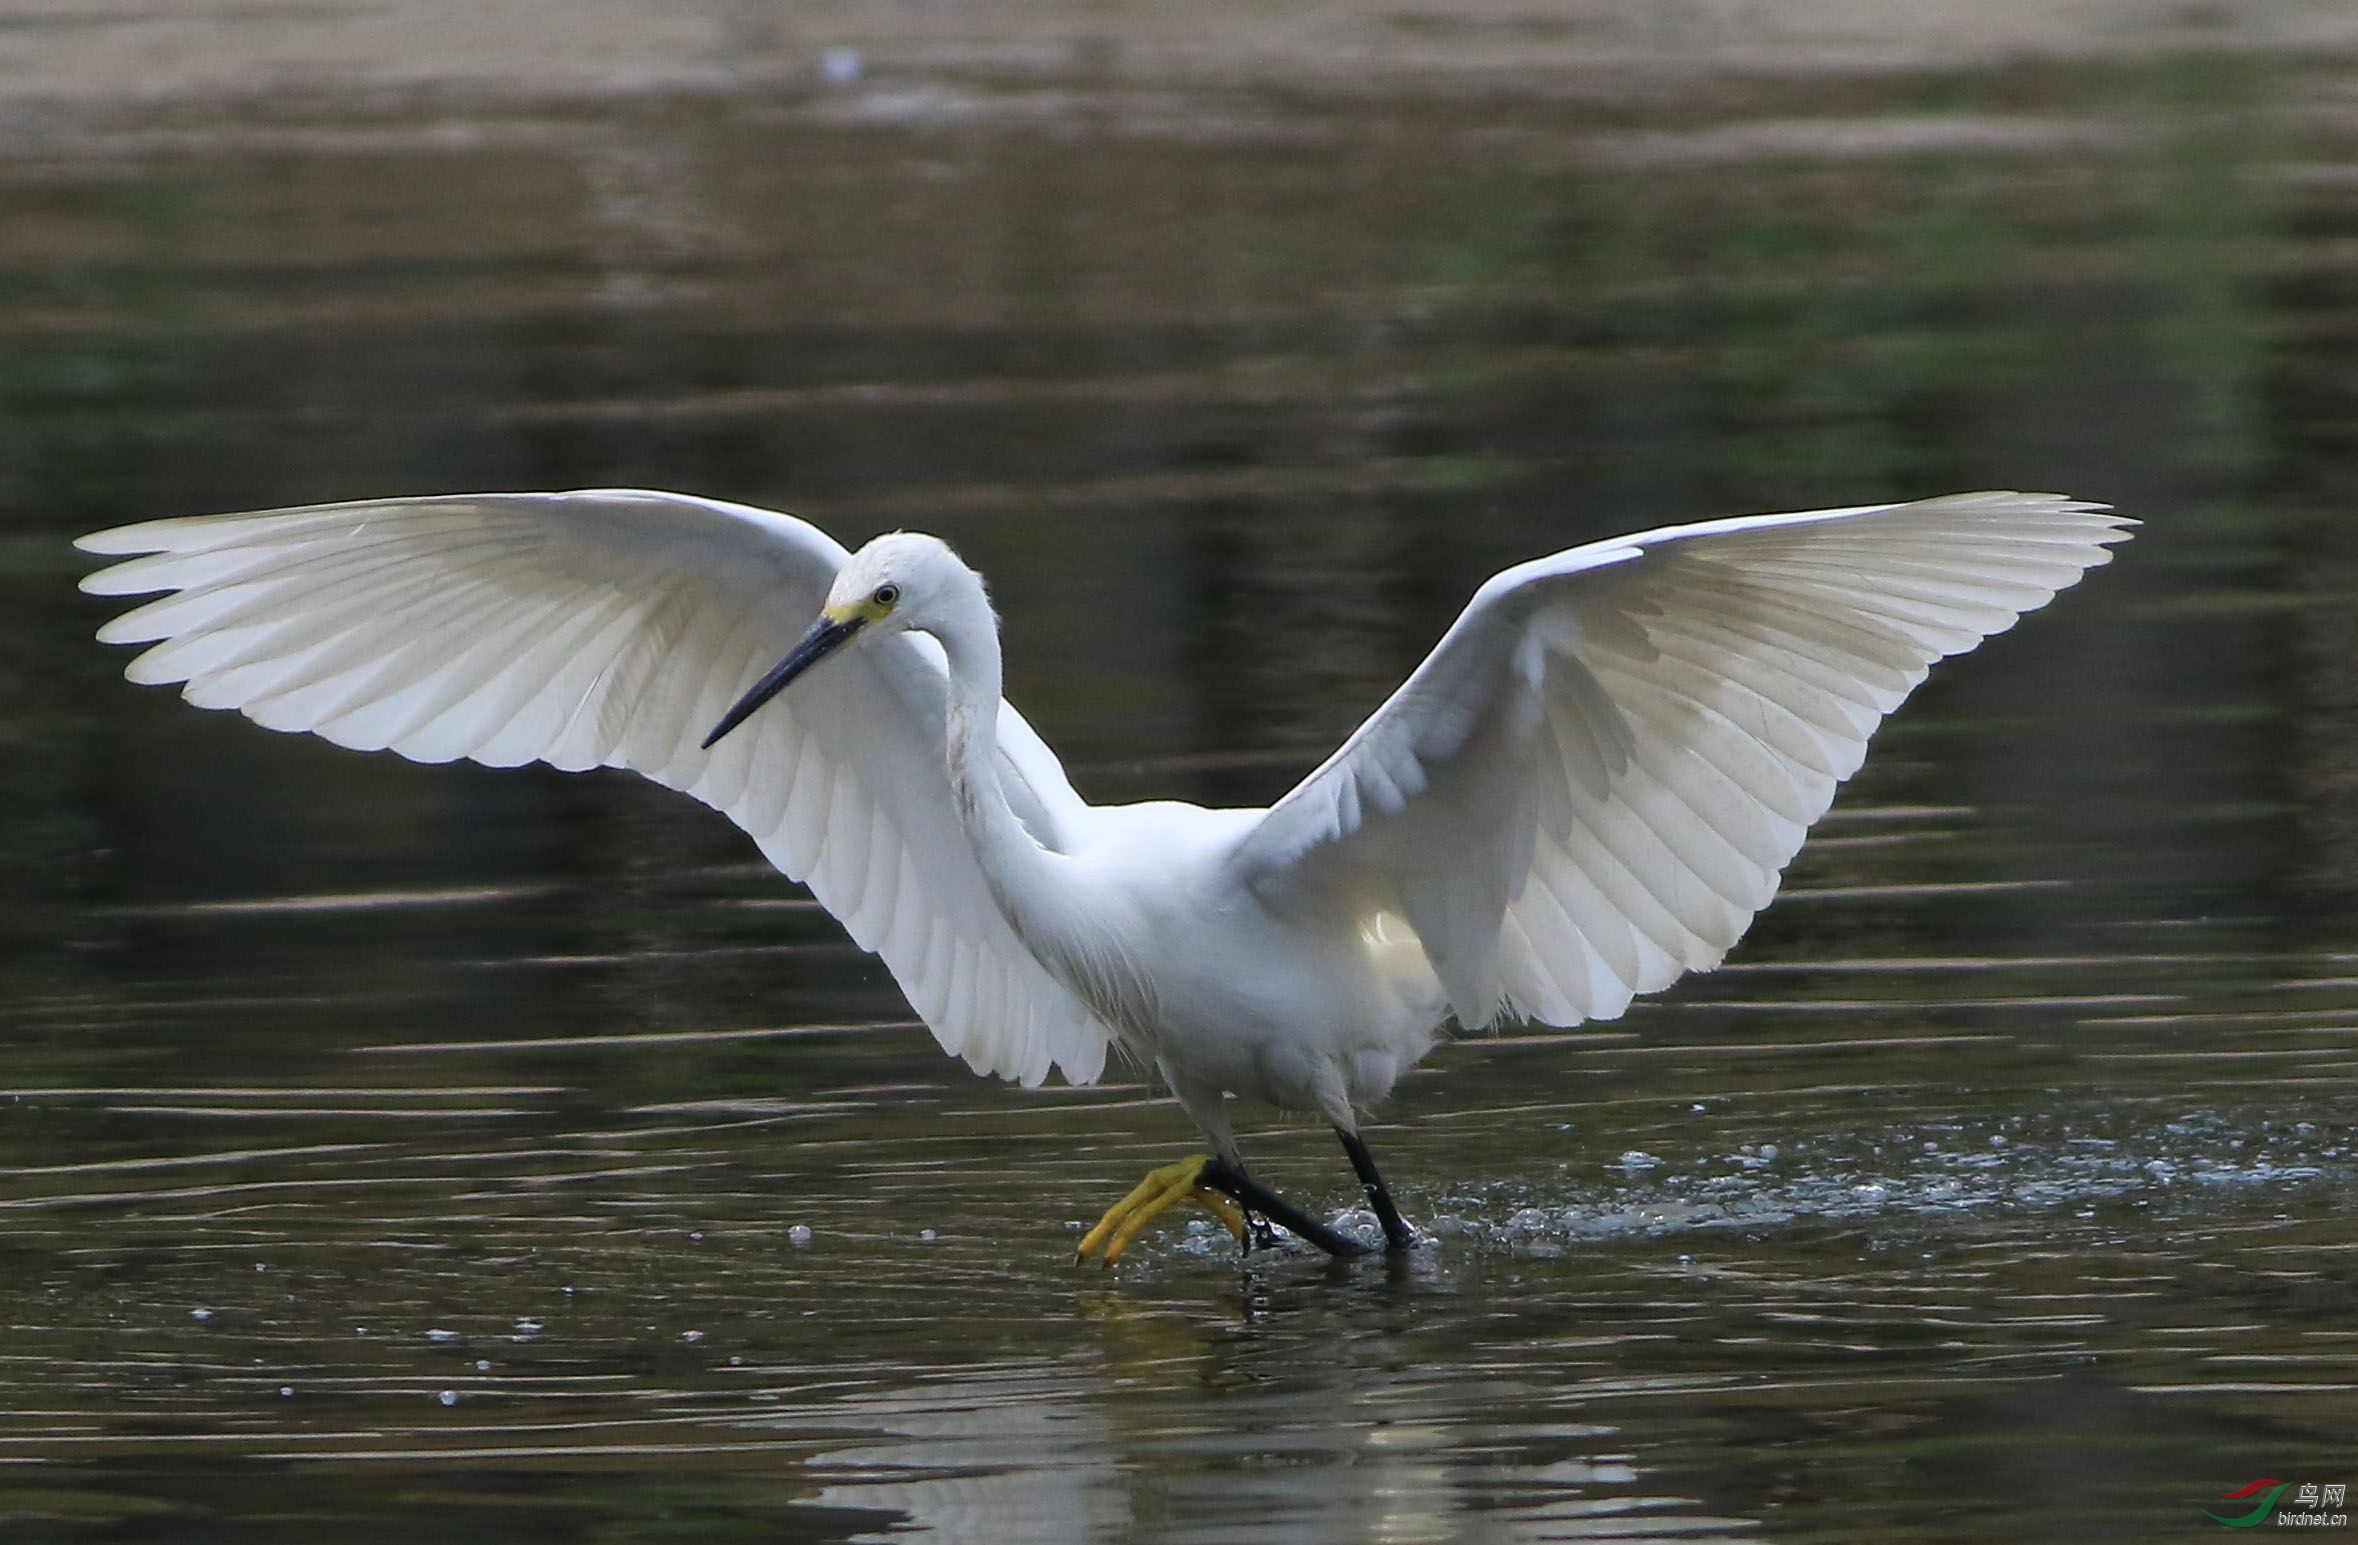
(2311, 1506)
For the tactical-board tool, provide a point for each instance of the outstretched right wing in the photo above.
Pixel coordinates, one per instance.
(612, 628)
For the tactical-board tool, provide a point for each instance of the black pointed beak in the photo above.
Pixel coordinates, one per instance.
(825, 637)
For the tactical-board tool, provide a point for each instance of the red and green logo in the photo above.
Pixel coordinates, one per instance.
(2259, 1513)
(2314, 1504)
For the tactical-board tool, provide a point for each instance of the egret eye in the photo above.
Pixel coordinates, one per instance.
(887, 595)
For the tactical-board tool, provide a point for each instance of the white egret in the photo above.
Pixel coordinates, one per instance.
(1586, 791)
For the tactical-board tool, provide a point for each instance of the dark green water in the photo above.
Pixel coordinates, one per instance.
(390, 1152)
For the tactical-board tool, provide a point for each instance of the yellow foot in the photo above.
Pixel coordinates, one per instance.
(1161, 1190)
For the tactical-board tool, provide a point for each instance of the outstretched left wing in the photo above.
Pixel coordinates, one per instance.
(1596, 779)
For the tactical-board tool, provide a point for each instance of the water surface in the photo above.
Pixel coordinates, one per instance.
(388, 1149)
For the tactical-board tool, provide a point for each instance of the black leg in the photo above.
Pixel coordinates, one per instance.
(1397, 1234)
(1220, 1175)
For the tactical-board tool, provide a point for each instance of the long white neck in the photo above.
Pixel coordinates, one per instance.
(1030, 883)
(1072, 926)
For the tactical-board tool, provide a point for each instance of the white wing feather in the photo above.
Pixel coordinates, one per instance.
(1595, 781)
(613, 628)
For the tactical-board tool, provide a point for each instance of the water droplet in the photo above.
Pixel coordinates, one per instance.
(926, 1233)
(448, 1397)
(200, 1314)
(285, 1391)
(691, 1336)
(841, 66)
(442, 1335)
(800, 1234)
(482, 1365)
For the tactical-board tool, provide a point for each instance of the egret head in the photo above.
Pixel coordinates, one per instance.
(899, 581)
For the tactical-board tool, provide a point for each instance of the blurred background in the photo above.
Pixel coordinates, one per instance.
(510, 1155)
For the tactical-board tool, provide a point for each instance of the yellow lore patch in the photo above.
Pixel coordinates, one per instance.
(864, 610)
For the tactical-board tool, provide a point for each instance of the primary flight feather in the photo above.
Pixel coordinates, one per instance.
(1588, 789)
